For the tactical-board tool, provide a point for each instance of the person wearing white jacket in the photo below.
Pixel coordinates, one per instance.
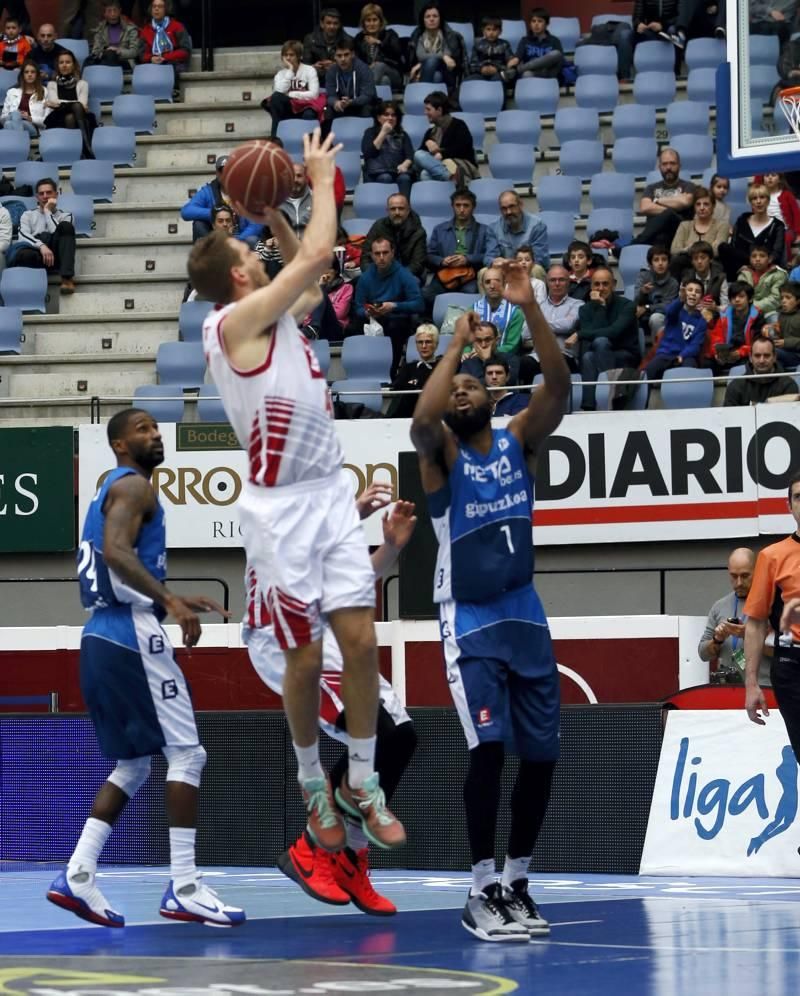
(295, 92)
(24, 108)
(6, 234)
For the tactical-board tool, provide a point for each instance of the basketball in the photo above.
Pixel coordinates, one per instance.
(258, 174)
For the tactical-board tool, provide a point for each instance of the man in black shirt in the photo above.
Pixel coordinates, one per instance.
(46, 51)
(666, 203)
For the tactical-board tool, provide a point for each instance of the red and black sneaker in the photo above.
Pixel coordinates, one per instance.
(313, 870)
(351, 873)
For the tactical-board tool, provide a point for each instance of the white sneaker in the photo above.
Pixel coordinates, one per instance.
(486, 917)
(76, 891)
(197, 903)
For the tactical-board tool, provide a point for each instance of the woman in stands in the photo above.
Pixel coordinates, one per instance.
(754, 228)
(295, 89)
(436, 52)
(703, 227)
(24, 108)
(387, 149)
(166, 40)
(380, 47)
(67, 99)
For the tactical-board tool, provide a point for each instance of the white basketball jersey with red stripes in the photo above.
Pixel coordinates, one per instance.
(281, 411)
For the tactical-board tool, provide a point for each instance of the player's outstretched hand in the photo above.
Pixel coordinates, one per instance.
(202, 603)
(319, 156)
(517, 287)
(377, 495)
(791, 615)
(755, 704)
(465, 328)
(186, 617)
(399, 524)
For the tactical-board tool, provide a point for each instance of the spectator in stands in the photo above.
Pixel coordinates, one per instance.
(782, 205)
(485, 345)
(607, 333)
(295, 89)
(379, 47)
(665, 203)
(338, 291)
(684, 333)
(701, 228)
(581, 266)
(6, 235)
(24, 107)
(539, 53)
(753, 228)
(766, 18)
(766, 279)
(763, 360)
(48, 236)
(655, 20)
(446, 151)
(67, 97)
(507, 318)
(116, 40)
(709, 272)
(297, 206)
(654, 290)
(166, 40)
(390, 294)
(349, 86)
(516, 227)
(320, 45)
(492, 58)
(387, 149)
(404, 229)
(720, 187)
(46, 51)
(457, 249)
(730, 339)
(200, 210)
(785, 333)
(14, 46)
(497, 377)
(525, 256)
(561, 314)
(618, 34)
(436, 52)
(413, 374)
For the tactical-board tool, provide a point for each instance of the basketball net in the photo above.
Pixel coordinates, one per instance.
(790, 105)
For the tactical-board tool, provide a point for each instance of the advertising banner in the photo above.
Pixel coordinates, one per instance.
(37, 490)
(604, 477)
(726, 798)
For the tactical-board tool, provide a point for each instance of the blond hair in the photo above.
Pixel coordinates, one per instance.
(428, 328)
(372, 10)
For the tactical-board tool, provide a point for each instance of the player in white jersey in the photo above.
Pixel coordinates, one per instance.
(296, 511)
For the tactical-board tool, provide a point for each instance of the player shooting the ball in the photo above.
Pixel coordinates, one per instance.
(299, 525)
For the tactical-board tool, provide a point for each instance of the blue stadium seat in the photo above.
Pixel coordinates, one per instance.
(161, 401)
(481, 97)
(14, 147)
(156, 80)
(698, 394)
(612, 219)
(30, 172)
(614, 16)
(431, 197)
(367, 356)
(599, 92)
(488, 189)
(518, 126)
(688, 117)
(512, 161)
(654, 89)
(291, 134)
(349, 162)
(116, 145)
(637, 403)
(764, 50)
(415, 126)
(412, 353)
(8, 78)
(443, 301)
(513, 31)
(350, 131)
(582, 158)
(738, 371)
(477, 127)
(191, 318)
(576, 395)
(322, 350)
(135, 110)
(573, 123)
(93, 178)
(78, 46)
(181, 363)
(701, 84)
(467, 32)
(560, 193)
(358, 226)
(347, 390)
(536, 95)
(704, 53)
(404, 30)
(613, 190)
(61, 146)
(633, 121)
(634, 155)
(762, 79)
(560, 230)
(10, 330)
(383, 91)
(82, 210)
(209, 404)
(104, 82)
(567, 30)
(631, 260)
(654, 56)
(414, 96)
(596, 59)
(696, 152)
(24, 287)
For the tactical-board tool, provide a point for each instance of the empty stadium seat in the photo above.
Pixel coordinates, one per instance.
(488, 189)
(349, 162)
(61, 146)
(696, 394)
(14, 147)
(637, 403)
(367, 356)
(414, 96)
(322, 350)
(24, 287)
(115, 145)
(631, 260)
(191, 318)
(763, 50)
(383, 91)
(8, 78)
(654, 56)
(657, 89)
(350, 131)
(291, 133)
(688, 117)
(443, 301)
(161, 401)
(558, 192)
(634, 155)
(158, 81)
(93, 178)
(696, 152)
(576, 123)
(518, 126)
(611, 219)
(481, 97)
(134, 110)
(597, 59)
(582, 158)
(415, 126)
(347, 390)
(82, 210)
(704, 53)
(182, 364)
(576, 394)
(357, 226)
(30, 172)
(467, 32)
(613, 190)
(514, 30)
(560, 230)
(10, 330)
(762, 80)
(477, 127)
(701, 84)
(209, 404)
(536, 95)
(633, 121)
(430, 197)
(78, 46)
(511, 161)
(567, 30)
(599, 92)
(104, 82)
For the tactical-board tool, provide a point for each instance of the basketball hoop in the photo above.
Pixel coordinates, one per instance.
(790, 105)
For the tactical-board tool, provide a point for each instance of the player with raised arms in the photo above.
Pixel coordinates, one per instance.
(500, 665)
(299, 524)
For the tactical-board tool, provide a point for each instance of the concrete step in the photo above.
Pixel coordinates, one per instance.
(139, 340)
(113, 294)
(112, 256)
(147, 185)
(219, 114)
(75, 377)
(125, 322)
(246, 88)
(235, 61)
(137, 221)
(21, 417)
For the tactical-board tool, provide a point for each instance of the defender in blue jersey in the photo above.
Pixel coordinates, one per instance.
(500, 664)
(134, 690)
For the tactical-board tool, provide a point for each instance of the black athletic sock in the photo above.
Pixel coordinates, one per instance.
(529, 805)
(482, 798)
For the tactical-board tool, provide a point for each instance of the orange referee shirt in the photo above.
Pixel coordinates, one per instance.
(776, 579)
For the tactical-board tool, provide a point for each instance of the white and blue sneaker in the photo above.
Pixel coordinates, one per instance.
(76, 891)
(197, 903)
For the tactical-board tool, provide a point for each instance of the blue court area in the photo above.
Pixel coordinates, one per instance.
(611, 934)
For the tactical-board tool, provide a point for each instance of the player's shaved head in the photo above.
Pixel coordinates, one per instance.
(118, 423)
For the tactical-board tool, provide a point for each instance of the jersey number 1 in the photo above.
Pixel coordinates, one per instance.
(506, 530)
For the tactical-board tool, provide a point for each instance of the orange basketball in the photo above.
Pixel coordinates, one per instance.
(258, 174)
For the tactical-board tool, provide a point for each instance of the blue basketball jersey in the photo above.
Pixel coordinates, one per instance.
(482, 520)
(101, 588)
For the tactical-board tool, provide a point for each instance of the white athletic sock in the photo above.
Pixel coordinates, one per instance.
(308, 763)
(182, 867)
(90, 843)
(360, 761)
(513, 870)
(483, 875)
(356, 838)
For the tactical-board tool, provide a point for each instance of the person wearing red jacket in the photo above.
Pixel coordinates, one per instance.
(14, 46)
(166, 40)
(782, 205)
(729, 338)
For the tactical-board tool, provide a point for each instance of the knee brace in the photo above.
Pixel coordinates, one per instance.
(185, 764)
(129, 776)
